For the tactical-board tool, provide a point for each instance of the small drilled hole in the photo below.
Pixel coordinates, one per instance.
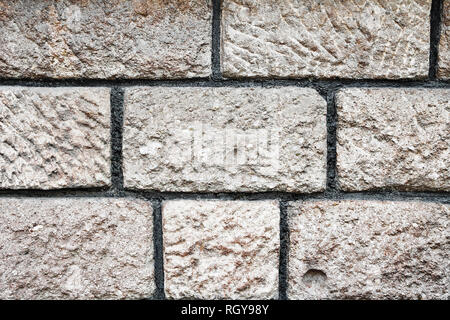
(314, 277)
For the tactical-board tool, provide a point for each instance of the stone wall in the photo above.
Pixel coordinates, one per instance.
(224, 149)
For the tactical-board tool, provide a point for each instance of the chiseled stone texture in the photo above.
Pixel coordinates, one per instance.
(54, 137)
(221, 249)
(444, 44)
(326, 39)
(224, 139)
(76, 248)
(105, 39)
(368, 250)
(393, 138)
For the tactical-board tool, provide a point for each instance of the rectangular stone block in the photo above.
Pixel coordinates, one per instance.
(224, 139)
(105, 39)
(54, 137)
(76, 248)
(221, 249)
(444, 44)
(368, 250)
(385, 39)
(393, 138)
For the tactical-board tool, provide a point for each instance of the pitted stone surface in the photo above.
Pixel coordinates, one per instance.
(221, 249)
(326, 39)
(76, 248)
(444, 44)
(54, 137)
(224, 139)
(105, 39)
(368, 250)
(389, 138)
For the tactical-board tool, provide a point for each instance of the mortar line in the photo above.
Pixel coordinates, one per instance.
(216, 73)
(284, 251)
(331, 142)
(158, 248)
(245, 82)
(435, 30)
(116, 138)
(387, 195)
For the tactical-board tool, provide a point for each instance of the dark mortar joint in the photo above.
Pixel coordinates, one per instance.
(435, 32)
(158, 250)
(336, 195)
(216, 72)
(284, 251)
(116, 138)
(321, 85)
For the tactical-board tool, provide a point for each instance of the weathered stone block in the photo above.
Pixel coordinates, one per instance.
(368, 250)
(224, 139)
(105, 39)
(54, 137)
(444, 44)
(326, 39)
(75, 248)
(221, 249)
(393, 138)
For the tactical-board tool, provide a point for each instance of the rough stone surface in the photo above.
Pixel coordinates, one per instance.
(105, 39)
(75, 248)
(444, 44)
(326, 39)
(224, 139)
(368, 250)
(221, 249)
(393, 138)
(54, 137)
